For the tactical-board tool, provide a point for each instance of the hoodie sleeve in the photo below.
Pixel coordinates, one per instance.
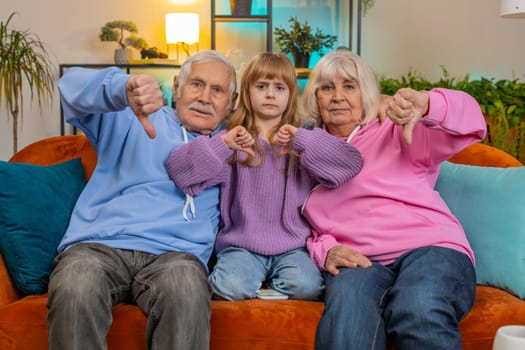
(453, 122)
(318, 247)
(200, 164)
(328, 160)
(86, 94)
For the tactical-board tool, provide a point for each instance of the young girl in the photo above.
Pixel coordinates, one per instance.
(266, 165)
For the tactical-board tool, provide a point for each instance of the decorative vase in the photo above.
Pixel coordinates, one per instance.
(241, 7)
(301, 60)
(511, 337)
(123, 56)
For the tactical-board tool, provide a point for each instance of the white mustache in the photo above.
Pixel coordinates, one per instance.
(199, 107)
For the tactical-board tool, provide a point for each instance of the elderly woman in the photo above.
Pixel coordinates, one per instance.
(396, 261)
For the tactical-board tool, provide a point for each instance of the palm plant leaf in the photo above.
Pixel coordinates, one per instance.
(24, 63)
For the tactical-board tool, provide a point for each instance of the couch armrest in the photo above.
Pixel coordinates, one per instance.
(8, 292)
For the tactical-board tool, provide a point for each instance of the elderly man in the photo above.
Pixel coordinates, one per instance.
(133, 236)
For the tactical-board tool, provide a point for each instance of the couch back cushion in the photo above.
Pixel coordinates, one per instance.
(487, 195)
(57, 149)
(484, 155)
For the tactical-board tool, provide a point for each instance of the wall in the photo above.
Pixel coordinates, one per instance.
(465, 36)
(70, 29)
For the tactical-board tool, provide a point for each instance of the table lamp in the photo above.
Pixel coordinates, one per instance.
(182, 30)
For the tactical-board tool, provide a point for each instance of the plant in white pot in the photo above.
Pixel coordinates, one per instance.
(25, 65)
(117, 31)
(301, 41)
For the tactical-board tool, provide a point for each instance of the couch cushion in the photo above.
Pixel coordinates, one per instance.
(250, 324)
(36, 203)
(490, 204)
(23, 326)
(493, 308)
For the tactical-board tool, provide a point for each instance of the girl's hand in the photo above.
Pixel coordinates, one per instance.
(284, 137)
(238, 139)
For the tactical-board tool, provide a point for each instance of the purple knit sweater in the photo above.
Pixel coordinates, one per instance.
(260, 206)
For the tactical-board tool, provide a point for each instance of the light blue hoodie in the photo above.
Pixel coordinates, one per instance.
(130, 201)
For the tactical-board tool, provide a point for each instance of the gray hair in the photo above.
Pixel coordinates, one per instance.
(207, 56)
(348, 65)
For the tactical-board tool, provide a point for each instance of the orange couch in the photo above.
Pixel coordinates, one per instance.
(251, 324)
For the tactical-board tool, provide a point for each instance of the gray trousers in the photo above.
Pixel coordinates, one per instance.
(171, 289)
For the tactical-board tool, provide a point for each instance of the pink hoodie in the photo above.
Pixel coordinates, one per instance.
(391, 207)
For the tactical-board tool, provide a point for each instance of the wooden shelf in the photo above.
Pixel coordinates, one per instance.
(218, 18)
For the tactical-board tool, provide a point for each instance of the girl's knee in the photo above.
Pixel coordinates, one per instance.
(231, 287)
(308, 292)
(302, 287)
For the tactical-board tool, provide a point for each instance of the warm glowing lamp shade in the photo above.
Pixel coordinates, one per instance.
(182, 28)
(512, 8)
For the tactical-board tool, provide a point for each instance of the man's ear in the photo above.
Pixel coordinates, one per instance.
(175, 87)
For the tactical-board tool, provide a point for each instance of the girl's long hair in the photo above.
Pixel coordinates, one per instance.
(266, 65)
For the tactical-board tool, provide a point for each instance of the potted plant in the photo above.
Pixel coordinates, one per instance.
(502, 103)
(24, 63)
(301, 41)
(116, 31)
(241, 7)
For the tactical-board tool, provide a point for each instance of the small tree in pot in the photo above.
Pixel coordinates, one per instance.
(301, 41)
(24, 62)
(116, 31)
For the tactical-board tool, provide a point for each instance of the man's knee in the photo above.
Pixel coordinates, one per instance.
(183, 273)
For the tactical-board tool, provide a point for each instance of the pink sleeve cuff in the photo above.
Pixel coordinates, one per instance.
(437, 108)
(319, 247)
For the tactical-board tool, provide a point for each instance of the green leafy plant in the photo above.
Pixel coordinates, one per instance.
(123, 33)
(301, 39)
(502, 103)
(24, 63)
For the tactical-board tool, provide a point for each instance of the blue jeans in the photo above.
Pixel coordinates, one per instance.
(418, 301)
(238, 273)
(90, 278)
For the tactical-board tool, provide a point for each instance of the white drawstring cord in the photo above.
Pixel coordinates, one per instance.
(189, 202)
(352, 134)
